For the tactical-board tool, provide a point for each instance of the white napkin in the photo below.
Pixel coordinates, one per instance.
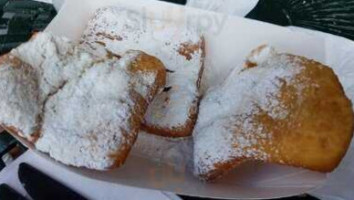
(232, 7)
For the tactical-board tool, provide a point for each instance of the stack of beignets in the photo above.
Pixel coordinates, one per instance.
(82, 112)
(279, 108)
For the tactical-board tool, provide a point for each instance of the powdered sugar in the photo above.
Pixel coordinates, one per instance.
(117, 29)
(84, 122)
(82, 108)
(143, 84)
(54, 59)
(18, 96)
(51, 61)
(233, 106)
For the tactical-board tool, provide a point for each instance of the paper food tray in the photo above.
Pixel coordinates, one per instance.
(165, 164)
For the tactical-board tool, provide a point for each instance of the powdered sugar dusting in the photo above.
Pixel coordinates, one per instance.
(55, 60)
(226, 128)
(116, 29)
(45, 64)
(85, 121)
(88, 122)
(144, 82)
(81, 107)
(19, 96)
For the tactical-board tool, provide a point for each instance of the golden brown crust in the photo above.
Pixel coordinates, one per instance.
(202, 47)
(146, 63)
(143, 63)
(175, 132)
(321, 128)
(221, 169)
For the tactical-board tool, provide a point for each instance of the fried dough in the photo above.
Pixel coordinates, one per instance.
(279, 108)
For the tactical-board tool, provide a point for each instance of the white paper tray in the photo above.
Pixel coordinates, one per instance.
(163, 164)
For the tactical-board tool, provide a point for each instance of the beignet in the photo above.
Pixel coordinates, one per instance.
(279, 108)
(81, 111)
